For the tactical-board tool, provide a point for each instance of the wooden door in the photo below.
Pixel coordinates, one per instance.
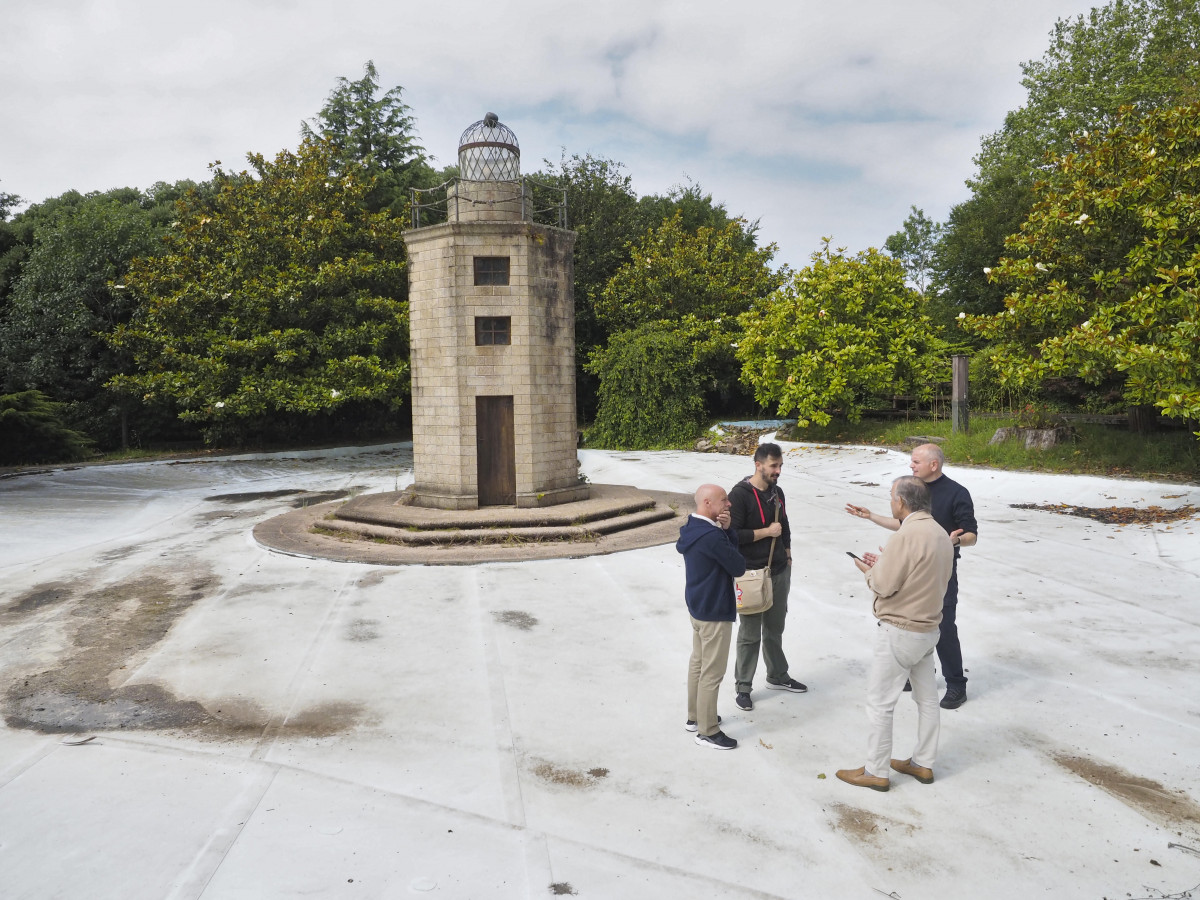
(496, 451)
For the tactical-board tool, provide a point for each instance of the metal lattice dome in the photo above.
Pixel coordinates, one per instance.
(488, 151)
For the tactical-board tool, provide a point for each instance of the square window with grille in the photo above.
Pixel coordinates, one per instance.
(490, 330)
(491, 270)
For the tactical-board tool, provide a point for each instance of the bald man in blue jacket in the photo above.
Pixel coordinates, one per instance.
(711, 561)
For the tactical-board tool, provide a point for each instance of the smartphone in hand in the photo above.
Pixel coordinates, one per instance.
(855, 556)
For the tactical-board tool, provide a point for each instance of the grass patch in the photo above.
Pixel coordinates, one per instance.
(1096, 450)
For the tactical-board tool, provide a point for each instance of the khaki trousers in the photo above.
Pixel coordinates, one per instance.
(706, 671)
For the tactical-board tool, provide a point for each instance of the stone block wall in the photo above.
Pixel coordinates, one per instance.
(537, 369)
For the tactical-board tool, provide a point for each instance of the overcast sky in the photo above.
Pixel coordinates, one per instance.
(818, 118)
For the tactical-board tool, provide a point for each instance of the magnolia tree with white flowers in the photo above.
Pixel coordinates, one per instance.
(280, 298)
(1103, 280)
(841, 335)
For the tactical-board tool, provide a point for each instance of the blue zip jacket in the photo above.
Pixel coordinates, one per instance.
(711, 560)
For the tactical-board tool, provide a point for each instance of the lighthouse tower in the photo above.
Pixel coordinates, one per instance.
(492, 323)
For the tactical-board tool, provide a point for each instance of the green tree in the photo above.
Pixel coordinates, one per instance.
(841, 334)
(63, 304)
(680, 289)
(710, 273)
(1139, 53)
(8, 240)
(1102, 283)
(7, 202)
(652, 384)
(35, 432)
(280, 299)
(913, 245)
(602, 210)
(375, 133)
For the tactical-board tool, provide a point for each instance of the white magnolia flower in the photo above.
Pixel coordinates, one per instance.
(1086, 325)
(310, 218)
(1083, 217)
(335, 394)
(821, 313)
(220, 404)
(1152, 152)
(1041, 267)
(962, 315)
(226, 295)
(987, 270)
(733, 343)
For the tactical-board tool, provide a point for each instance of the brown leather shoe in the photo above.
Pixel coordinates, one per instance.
(921, 773)
(860, 778)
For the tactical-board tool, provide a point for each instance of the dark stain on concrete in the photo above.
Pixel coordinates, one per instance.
(1149, 798)
(516, 619)
(864, 825)
(323, 720)
(371, 579)
(251, 496)
(217, 515)
(560, 775)
(119, 553)
(44, 595)
(312, 498)
(109, 627)
(362, 630)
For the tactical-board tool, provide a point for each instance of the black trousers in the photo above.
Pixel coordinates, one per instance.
(948, 650)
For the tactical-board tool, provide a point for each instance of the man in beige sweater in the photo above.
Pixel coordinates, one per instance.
(908, 580)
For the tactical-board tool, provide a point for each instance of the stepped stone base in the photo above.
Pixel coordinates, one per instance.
(386, 529)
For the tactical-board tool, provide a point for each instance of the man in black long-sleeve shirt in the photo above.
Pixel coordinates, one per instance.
(752, 517)
(955, 512)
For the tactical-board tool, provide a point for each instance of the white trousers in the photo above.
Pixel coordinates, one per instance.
(899, 656)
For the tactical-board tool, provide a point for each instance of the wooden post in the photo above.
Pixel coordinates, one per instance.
(958, 396)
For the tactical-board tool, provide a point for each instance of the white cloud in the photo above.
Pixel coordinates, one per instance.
(818, 118)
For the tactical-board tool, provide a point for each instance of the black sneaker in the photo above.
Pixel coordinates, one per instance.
(718, 740)
(690, 724)
(788, 684)
(743, 701)
(955, 697)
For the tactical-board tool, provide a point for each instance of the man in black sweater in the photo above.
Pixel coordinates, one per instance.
(754, 502)
(955, 512)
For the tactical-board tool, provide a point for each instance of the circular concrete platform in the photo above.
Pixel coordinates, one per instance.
(382, 529)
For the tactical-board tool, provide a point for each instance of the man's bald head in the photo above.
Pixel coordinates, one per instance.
(711, 500)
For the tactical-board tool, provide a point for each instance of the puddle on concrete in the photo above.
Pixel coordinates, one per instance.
(516, 619)
(1145, 796)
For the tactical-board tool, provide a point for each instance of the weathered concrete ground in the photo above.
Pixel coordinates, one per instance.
(266, 726)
